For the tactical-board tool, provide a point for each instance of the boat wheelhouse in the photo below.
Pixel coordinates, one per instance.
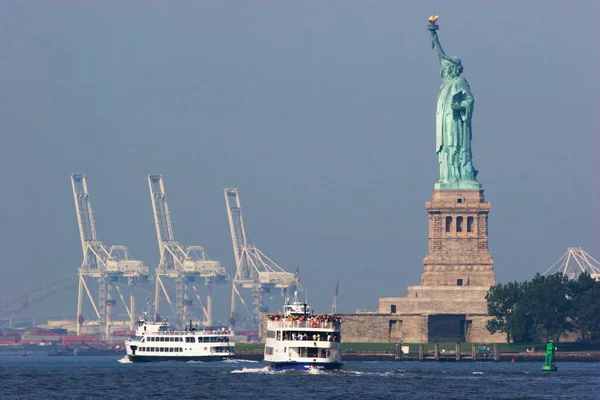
(158, 341)
(299, 340)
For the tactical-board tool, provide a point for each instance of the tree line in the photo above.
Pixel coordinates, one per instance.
(544, 308)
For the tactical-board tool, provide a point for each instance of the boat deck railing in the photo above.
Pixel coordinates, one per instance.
(192, 332)
(304, 324)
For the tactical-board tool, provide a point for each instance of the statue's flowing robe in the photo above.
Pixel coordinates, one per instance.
(453, 132)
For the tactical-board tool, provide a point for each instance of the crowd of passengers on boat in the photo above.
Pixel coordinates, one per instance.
(315, 318)
(315, 336)
(198, 331)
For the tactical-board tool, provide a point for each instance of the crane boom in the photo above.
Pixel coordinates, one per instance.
(335, 299)
(162, 217)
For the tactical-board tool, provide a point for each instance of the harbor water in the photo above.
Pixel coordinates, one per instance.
(81, 377)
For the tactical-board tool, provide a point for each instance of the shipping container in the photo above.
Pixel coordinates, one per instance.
(80, 339)
(11, 336)
(124, 333)
(42, 338)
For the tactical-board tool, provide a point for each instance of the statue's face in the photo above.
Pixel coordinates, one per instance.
(448, 70)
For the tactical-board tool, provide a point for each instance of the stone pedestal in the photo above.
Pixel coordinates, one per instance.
(457, 273)
(458, 253)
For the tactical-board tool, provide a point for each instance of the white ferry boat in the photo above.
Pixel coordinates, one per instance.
(158, 341)
(300, 340)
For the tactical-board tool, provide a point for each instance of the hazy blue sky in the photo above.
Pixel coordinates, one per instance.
(322, 113)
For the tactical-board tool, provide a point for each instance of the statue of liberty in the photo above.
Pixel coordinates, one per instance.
(453, 122)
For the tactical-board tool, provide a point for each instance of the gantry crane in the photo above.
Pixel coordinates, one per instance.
(106, 265)
(184, 266)
(254, 270)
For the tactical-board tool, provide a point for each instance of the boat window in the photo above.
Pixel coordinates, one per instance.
(162, 339)
(271, 334)
(190, 339)
(312, 352)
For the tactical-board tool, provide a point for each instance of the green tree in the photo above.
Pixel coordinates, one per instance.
(585, 307)
(532, 311)
(545, 303)
(502, 302)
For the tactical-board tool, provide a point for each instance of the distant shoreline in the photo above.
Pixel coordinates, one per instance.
(582, 356)
(353, 355)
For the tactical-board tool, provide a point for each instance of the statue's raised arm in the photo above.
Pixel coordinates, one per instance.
(435, 41)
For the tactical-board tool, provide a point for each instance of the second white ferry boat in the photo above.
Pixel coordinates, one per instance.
(158, 341)
(300, 340)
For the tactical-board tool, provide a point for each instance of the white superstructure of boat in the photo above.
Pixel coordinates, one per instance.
(300, 340)
(158, 341)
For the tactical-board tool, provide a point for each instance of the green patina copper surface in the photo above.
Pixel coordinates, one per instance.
(453, 123)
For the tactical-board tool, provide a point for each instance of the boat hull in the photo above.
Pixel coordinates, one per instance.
(304, 366)
(176, 358)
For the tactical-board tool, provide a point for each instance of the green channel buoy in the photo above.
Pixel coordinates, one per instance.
(549, 360)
